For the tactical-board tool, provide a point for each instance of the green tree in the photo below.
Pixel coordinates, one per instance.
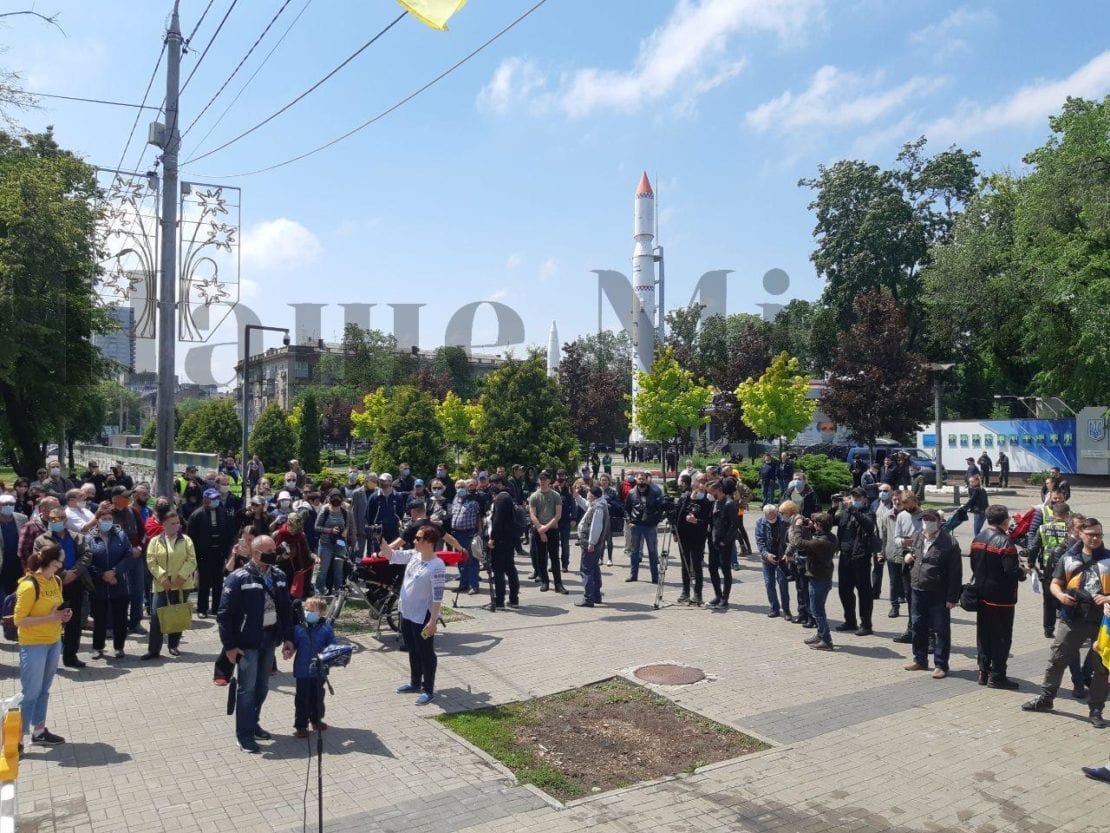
(407, 431)
(48, 264)
(150, 434)
(212, 428)
(877, 386)
(453, 364)
(875, 226)
(593, 396)
(524, 419)
(368, 359)
(308, 434)
(119, 399)
(365, 422)
(273, 439)
(777, 404)
(458, 420)
(670, 403)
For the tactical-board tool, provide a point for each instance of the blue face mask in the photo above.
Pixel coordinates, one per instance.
(57, 526)
(311, 616)
(216, 504)
(106, 526)
(7, 510)
(858, 504)
(884, 496)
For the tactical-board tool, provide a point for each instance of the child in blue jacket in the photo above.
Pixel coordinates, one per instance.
(309, 640)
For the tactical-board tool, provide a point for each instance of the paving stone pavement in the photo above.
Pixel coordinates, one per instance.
(858, 743)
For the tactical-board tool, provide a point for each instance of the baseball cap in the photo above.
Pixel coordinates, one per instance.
(483, 475)
(386, 476)
(211, 494)
(257, 500)
(7, 500)
(416, 483)
(123, 491)
(284, 495)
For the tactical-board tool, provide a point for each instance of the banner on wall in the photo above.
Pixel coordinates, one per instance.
(1030, 444)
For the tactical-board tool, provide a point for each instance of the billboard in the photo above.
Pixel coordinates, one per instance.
(1031, 444)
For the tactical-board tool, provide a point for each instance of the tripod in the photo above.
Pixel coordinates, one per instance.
(318, 723)
(664, 558)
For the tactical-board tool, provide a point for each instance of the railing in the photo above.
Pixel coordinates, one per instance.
(139, 460)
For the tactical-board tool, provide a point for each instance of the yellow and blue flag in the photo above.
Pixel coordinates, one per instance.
(434, 13)
(1102, 643)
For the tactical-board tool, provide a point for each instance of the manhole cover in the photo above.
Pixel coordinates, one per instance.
(669, 674)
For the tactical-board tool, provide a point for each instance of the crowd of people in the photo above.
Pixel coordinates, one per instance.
(100, 555)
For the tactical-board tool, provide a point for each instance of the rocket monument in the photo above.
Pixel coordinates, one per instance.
(643, 290)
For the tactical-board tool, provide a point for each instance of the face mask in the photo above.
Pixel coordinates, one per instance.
(437, 492)
(884, 496)
(351, 478)
(224, 489)
(404, 472)
(57, 526)
(7, 510)
(931, 527)
(290, 484)
(858, 504)
(699, 495)
(285, 504)
(268, 558)
(211, 484)
(105, 526)
(441, 472)
(311, 617)
(216, 504)
(55, 472)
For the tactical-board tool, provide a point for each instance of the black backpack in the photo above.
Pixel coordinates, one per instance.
(7, 612)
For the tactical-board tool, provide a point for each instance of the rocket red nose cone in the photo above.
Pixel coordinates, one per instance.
(644, 190)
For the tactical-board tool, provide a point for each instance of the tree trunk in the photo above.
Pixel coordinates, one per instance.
(29, 452)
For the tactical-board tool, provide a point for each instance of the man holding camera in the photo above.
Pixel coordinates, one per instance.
(644, 510)
(1081, 583)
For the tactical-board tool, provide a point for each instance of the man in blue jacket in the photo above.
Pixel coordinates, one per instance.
(255, 614)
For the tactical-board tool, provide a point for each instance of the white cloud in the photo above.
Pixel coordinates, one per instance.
(836, 98)
(515, 82)
(497, 295)
(279, 245)
(946, 37)
(1031, 104)
(513, 262)
(689, 52)
(548, 268)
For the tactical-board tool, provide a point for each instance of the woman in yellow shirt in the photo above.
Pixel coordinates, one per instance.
(39, 616)
(173, 566)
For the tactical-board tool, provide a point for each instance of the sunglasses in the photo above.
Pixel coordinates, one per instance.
(421, 538)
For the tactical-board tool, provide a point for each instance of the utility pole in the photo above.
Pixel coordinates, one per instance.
(167, 284)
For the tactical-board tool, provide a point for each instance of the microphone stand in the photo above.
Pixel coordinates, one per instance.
(320, 750)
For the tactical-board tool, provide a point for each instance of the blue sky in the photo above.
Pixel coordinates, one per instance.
(513, 178)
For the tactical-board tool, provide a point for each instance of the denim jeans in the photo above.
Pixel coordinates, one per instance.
(37, 664)
(468, 569)
(138, 579)
(254, 685)
(979, 518)
(774, 579)
(648, 535)
(564, 547)
(768, 491)
(331, 560)
(894, 573)
(930, 613)
(591, 574)
(818, 592)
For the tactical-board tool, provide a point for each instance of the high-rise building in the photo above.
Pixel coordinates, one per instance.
(119, 345)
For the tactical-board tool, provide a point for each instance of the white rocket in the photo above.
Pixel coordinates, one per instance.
(553, 351)
(643, 290)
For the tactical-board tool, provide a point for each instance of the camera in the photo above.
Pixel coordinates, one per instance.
(1084, 606)
(670, 509)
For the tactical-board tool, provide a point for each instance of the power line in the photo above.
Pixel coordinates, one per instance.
(91, 100)
(254, 75)
(208, 46)
(238, 67)
(307, 92)
(138, 113)
(385, 112)
(203, 15)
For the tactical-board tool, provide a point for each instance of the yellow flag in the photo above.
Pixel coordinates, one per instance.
(1102, 643)
(435, 13)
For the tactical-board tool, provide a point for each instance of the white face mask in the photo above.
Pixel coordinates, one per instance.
(930, 527)
(55, 472)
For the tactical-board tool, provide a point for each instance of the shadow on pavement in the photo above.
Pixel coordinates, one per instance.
(466, 644)
(875, 652)
(78, 754)
(338, 740)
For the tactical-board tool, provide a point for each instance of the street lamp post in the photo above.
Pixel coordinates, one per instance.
(938, 368)
(245, 392)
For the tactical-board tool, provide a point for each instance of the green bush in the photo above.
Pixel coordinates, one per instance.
(825, 474)
(1037, 478)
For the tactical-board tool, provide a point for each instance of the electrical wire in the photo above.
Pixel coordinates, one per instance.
(208, 46)
(303, 95)
(387, 111)
(203, 15)
(238, 67)
(138, 113)
(91, 100)
(254, 75)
